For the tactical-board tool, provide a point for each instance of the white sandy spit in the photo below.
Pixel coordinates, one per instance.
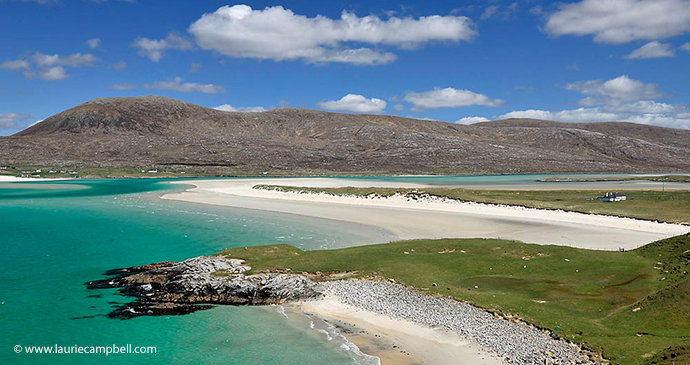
(433, 218)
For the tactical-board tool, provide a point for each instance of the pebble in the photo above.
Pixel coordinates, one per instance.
(515, 343)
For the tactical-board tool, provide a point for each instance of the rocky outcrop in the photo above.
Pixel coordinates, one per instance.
(169, 288)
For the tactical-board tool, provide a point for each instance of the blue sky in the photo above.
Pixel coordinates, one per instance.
(463, 61)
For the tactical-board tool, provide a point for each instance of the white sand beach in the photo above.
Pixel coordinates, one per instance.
(14, 178)
(432, 219)
(397, 342)
(25, 179)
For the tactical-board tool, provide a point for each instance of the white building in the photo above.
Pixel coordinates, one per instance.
(613, 197)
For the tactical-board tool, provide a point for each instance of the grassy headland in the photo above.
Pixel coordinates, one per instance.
(634, 307)
(670, 206)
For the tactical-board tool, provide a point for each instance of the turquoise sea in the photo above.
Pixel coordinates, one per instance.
(55, 236)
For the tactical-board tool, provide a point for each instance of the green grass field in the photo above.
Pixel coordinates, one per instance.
(671, 206)
(587, 296)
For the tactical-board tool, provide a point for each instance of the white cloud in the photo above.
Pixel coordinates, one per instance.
(93, 43)
(187, 87)
(120, 66)
(11, 120)
(686, 47)
(448, 98)
(499, 12)
(195, 67)
(644, 112)
(242, 109)
(73, 60)
(621, 21)
(15, 65)
(355, 103)
(123, 86)
(652, 49)
(53, 73)
(489, 12)
(471, 120)
(278, 34)
(154, 49)
(615, 91)
(575, 115)
(398, 107)
(618, 99)
(49, 67)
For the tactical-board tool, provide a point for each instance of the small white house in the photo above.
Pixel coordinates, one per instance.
(613, 197)
(152, 171)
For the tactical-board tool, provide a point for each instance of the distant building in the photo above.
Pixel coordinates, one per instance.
(153, 171)
(612, 197)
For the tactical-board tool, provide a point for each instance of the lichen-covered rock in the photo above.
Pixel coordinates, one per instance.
(180, 288)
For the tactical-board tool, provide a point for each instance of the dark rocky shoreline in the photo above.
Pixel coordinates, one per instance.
(172, 288)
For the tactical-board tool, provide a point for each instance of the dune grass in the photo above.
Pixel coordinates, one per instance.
(591, 297)
(670, 206)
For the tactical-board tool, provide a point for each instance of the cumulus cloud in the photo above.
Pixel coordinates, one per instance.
(652, 49)
(12, 120)
(124, 86)
(93, 43)
(15, 65)
(48, 67)
(243, 109)
(618, 99)
(629, 112)
(154, 49)
(53, 73)
(686, 47)
(574, 115)
(185, 87)
(448, 98)
(355, 103)
(471, 120)
(615, 91)
(621, 21)
(279, 34)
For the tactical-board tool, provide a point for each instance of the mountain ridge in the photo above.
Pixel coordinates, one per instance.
(154, 130)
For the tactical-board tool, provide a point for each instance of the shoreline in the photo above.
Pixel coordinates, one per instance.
(433, 219)
(395, 342)
(401, 326)
(30, 179)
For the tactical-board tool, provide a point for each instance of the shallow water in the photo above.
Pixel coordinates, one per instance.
(56, 236)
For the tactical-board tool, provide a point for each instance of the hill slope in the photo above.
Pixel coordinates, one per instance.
(151, 130)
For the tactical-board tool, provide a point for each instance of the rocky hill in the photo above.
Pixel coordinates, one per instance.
(156, 131)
